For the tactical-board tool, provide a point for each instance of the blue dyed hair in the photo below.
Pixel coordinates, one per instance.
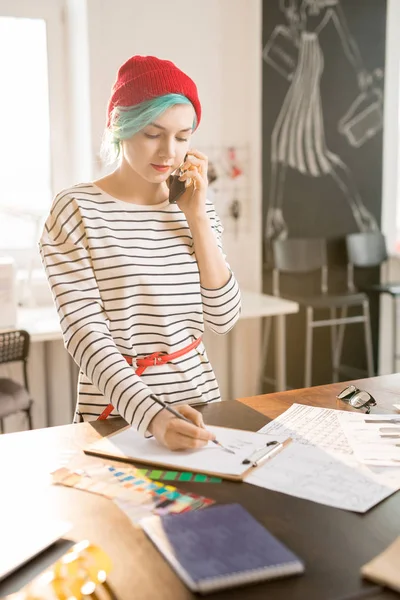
(126, 121)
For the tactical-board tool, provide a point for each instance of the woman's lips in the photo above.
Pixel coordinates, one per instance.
(161, 168)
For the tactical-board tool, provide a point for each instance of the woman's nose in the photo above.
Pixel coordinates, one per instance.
(167, 148)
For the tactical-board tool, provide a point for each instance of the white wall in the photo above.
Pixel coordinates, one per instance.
(390, 188)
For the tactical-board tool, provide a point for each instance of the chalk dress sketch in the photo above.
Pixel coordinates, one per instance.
(298, 137)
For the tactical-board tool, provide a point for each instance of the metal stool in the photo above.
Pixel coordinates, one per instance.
(14, 397)
(301, 256)
(367, 250)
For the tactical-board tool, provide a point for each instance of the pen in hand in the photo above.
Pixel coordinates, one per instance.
(183, 418)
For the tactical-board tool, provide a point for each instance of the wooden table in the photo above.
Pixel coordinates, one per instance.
(333, 543)
(385, 390)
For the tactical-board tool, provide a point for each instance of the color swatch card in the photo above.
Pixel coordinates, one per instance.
(136, 494)
(185, 476)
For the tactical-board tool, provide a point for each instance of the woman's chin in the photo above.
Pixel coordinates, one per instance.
(154, 177)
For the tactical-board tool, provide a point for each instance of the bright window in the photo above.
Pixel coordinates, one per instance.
(25, 181)
(34, 124)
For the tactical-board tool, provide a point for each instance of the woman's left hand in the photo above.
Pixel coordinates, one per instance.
(193, 201)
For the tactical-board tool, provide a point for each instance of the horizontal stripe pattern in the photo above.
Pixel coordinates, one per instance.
(125, 280)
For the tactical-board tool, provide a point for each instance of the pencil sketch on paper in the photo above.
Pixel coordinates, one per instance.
(313, 474)
(298, 136)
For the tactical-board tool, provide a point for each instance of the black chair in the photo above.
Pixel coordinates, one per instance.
(14, 397)
(302, 256)
(367, 250)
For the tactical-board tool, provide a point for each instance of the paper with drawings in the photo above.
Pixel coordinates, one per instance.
(375, 439)
(211, 458)
(319, 465)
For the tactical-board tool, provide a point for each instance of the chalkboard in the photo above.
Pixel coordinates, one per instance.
(323, 79)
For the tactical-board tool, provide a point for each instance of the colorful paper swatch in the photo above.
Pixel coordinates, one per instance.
(135, 493)
(178, 476)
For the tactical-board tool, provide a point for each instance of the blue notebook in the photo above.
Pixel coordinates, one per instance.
(220, 547)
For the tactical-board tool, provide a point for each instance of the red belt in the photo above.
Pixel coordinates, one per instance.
(157, 358)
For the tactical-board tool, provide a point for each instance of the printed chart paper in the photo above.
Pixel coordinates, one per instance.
(375, 439)
(320, 465)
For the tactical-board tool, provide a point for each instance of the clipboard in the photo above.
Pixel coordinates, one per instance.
(252, 449)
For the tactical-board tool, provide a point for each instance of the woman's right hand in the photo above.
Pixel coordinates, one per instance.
(177, 434)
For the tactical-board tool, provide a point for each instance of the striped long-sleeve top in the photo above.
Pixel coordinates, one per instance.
(125, 281)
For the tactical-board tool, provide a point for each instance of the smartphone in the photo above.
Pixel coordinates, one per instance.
(176, 187)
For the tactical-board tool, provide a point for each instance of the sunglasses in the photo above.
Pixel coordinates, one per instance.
(357, 398)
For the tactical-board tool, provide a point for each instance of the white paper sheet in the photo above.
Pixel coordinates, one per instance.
(374, 439)
(320, 465)
(211, 458)
(38, 534)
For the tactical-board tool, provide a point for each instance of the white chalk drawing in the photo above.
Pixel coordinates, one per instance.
(365, 116)
(298, 137)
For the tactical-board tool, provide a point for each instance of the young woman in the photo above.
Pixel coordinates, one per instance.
(135, 277)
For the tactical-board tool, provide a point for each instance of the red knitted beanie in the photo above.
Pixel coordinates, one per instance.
(143, 78)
